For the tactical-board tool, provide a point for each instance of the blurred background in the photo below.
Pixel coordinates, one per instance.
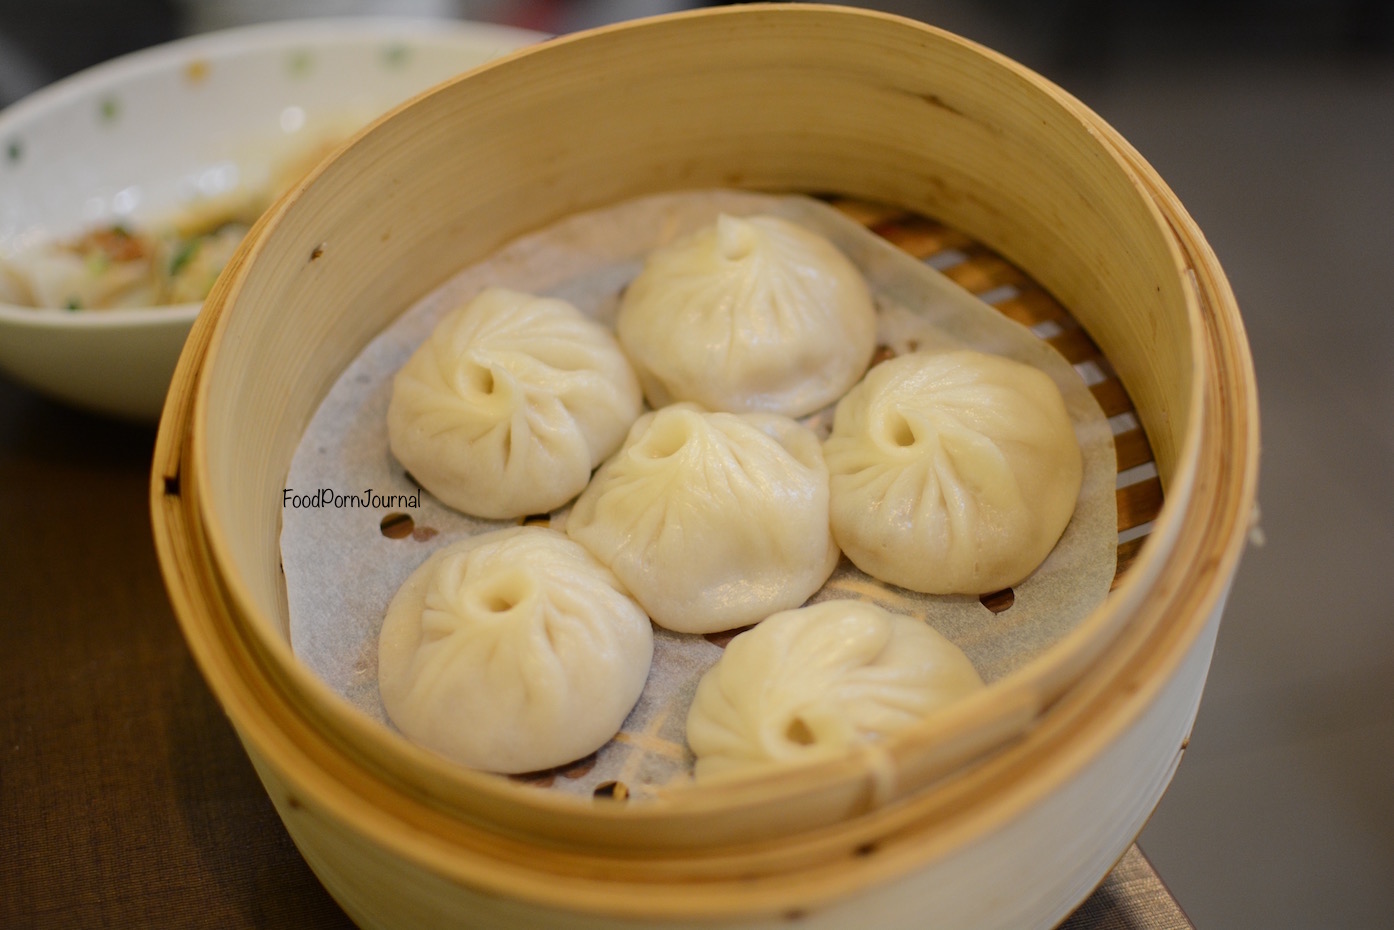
(1274, 123)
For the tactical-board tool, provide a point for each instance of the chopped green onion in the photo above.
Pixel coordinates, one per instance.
(73, 304)
(183, 255)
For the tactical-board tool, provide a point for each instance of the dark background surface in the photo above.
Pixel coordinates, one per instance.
(1274, 122)
(40, 42)
(125, 799)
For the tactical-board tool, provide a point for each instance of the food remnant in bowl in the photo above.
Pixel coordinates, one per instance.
(169, 262)
(114, 266)
(106, 267)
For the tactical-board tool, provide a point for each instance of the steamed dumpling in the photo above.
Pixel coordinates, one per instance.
(513, 651)
(748, 314)
(509, 405)
(811, 682)
(953, 473)
(711, 520)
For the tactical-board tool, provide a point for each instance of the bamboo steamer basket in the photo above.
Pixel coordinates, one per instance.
(1004, 812)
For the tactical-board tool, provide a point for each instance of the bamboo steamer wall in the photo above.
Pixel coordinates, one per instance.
(1070, 752)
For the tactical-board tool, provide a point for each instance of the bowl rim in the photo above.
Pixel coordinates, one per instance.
(152, 317)
(223, 44)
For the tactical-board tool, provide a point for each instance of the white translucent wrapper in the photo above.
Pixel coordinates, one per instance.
(342, 571)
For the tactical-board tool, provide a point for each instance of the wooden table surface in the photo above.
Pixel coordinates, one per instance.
(125, 798)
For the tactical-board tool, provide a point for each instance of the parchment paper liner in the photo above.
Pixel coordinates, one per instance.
(341, 570)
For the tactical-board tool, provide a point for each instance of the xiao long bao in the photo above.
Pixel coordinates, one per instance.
(505, 409)
(811, 682)
(748, 314)
(952, 473)
(711, 520)
(512, 651)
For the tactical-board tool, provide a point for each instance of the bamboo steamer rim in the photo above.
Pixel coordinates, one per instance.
(197, 549)
(1023, 692)
(1052, 762)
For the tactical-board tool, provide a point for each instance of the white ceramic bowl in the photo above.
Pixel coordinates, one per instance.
(138, 137)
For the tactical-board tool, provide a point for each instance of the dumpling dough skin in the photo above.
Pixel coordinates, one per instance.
(512, 651)
(748, 314)
(809, 683)
(712, 520)
(952, 473)
(509, 405)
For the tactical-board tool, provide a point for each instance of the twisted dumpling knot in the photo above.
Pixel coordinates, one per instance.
(711, 520)
(513, 651)
(509, 405)
(952, 473)
(748, 314)
(811, 682)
